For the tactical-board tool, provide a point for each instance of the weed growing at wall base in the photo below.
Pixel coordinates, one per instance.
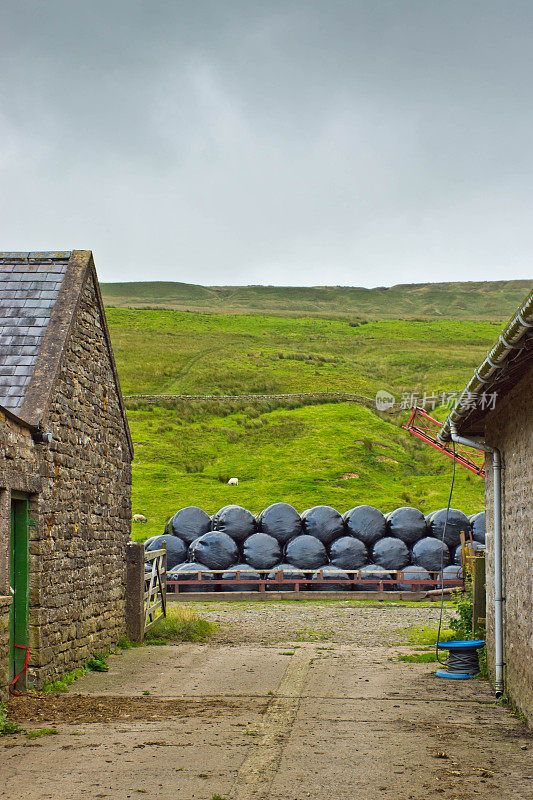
(96, 663)
(62, 684)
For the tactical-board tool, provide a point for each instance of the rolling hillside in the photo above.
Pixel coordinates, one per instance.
(306, 454)
(469, 300)
(173, 352)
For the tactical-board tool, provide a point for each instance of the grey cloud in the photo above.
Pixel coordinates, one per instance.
(360, 143)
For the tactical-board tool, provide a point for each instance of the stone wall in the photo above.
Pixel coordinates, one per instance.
(306, 397)
(5, 605)
(19, 471)
(77, 550)
(510, 428)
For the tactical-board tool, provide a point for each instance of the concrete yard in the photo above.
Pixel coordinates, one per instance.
(288, 701)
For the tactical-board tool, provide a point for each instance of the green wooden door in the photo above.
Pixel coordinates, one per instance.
(18, 629)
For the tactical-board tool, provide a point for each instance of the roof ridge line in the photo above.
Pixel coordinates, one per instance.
(28, 256)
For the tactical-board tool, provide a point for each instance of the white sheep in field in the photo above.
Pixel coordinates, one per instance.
(233, 482)
(139, 518)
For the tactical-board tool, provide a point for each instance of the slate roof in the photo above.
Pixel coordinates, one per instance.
(40, 293)
(29, 286)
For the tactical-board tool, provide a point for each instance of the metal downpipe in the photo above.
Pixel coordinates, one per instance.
(498, 586)
(498, 583)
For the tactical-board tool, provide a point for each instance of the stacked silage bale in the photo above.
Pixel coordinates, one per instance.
(319, 546)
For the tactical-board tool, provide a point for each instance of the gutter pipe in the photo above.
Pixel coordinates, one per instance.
(510, 339)
(498, 587)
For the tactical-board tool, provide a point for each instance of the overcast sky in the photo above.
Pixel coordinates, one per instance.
(352, 142)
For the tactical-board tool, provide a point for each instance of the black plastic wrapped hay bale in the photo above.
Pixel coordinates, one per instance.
(431, 554)
(148, 541)
(347, 552)
(236, 521)
(326, 583)
(456, 523)
(323, 522)
(215, 549)
(377, 573)
(407, 524)
(472, 546)
(365, 523)
(189, 523)
(189, 572)
(390, 553)
(289, 571)
(306, 552)
(261, 551)
(244, 571)
(453, 573)
(477, 526)
(281, 521)
(176, 549)
(414, 573)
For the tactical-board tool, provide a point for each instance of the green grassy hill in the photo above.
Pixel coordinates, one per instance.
(339, 454)
(469, 300)
(171, 352)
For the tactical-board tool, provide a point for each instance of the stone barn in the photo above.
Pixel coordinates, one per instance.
(65, 469)
(496, 409)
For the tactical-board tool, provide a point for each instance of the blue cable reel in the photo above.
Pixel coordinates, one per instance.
(463, 659)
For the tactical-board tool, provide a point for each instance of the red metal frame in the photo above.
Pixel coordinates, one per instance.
(423, 426)
(216, 582)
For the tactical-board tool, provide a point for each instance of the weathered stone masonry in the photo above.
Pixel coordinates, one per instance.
(65, 445)
(77, 551)
(510, 428)
(19, 471)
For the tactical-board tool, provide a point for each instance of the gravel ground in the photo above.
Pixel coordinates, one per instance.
(340, 621)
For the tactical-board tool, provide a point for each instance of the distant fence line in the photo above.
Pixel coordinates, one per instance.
(156, 399)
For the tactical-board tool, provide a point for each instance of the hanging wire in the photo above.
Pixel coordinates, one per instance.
(442, 559)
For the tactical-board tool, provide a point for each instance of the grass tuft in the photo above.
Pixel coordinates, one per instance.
(126, 644)
(36, 734)
(7, 728)
(426, 635)
(62, 684)
(418, 658)
(180, 625)
(98, 663)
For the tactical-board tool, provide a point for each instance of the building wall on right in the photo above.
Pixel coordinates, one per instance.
(510, 428)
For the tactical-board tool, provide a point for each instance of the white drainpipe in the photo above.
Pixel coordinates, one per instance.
(498, 588)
